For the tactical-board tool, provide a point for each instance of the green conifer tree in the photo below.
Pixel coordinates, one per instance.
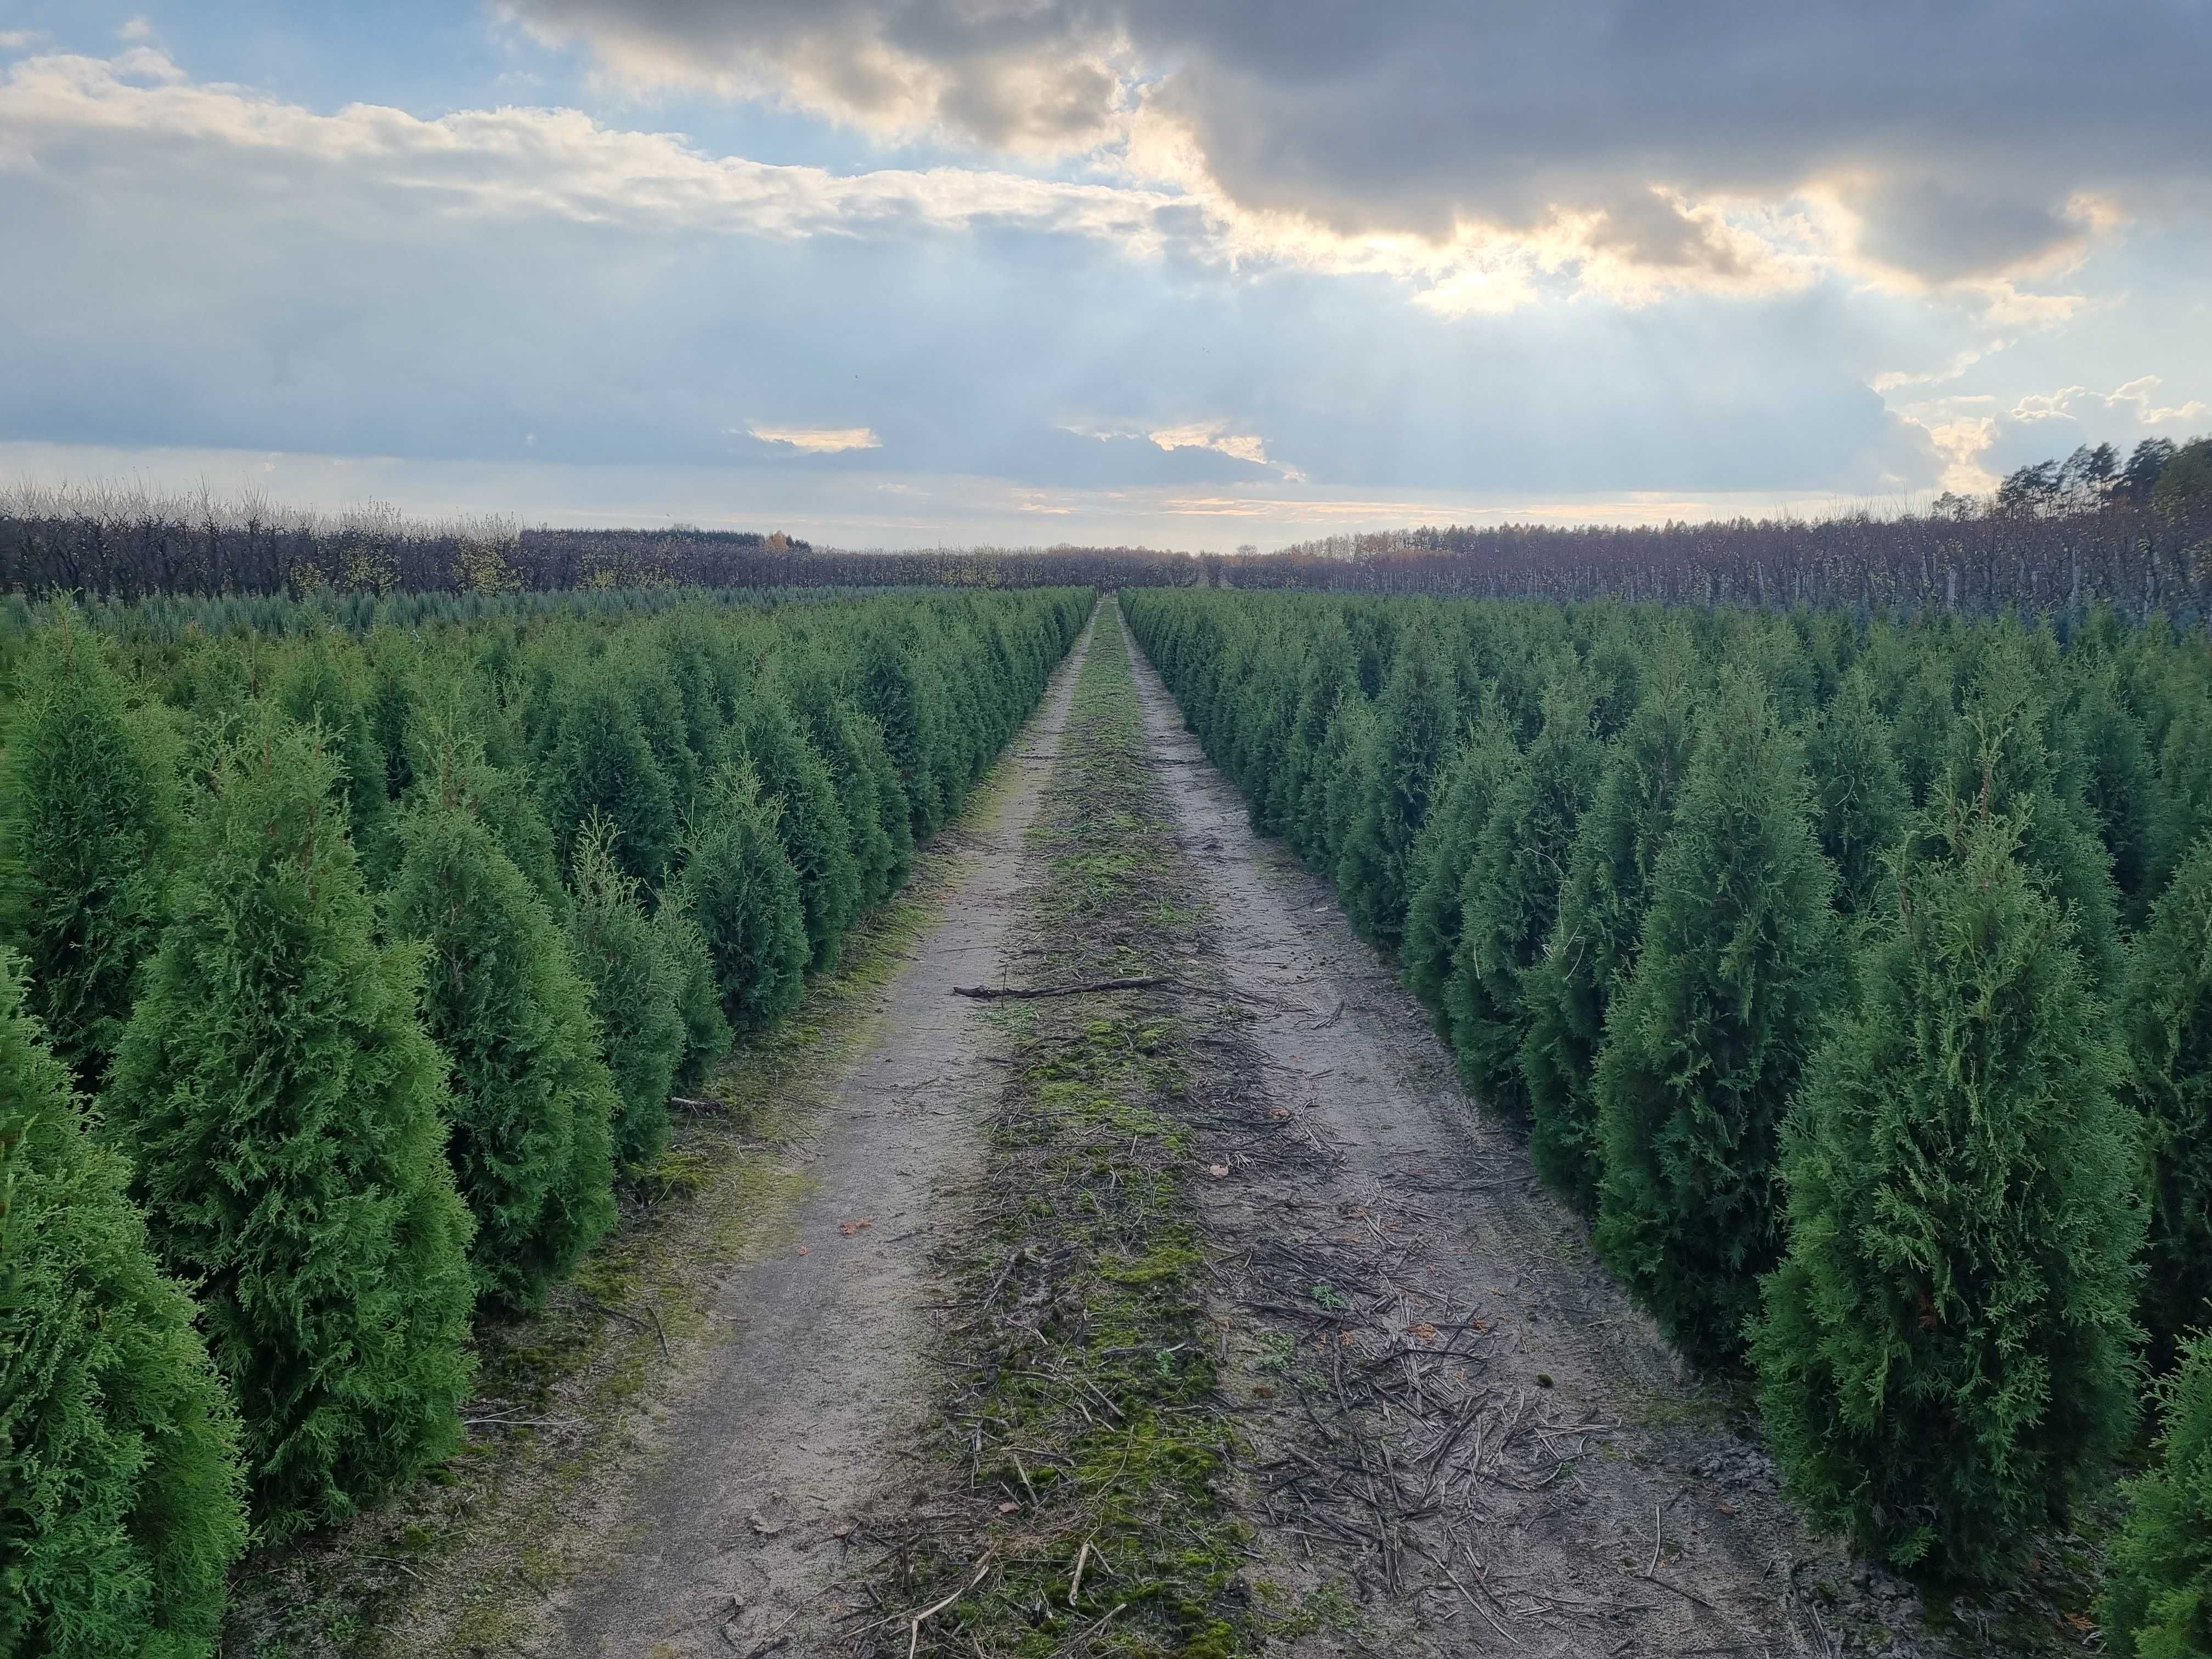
(2158, 1584)
(1512, 893)
(1705, 1043)
(809, 821)
(1437, 869)
(1999, 752)
(1610, 871)
(1413, 728)
(598, 761)
(699, 999)
(285, 1113)
(318, 687)
(1859, 794)
(637, 994)
(87, 811)
(121, 1503)
(533, 1104)
(740, 890)
(1945, 1352)
(2166, 1016)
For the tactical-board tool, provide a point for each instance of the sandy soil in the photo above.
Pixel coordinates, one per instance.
(1457, 1415)
(730, 1534)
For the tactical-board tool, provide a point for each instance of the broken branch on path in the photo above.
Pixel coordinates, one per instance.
(992, 993)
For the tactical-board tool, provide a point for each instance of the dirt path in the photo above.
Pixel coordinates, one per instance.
(1467, 1439)
(731, 1529)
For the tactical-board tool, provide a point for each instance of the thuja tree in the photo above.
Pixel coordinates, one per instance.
(698, 997)
(595, 759)
(2001, 756)
(852, 747)
(2166, 1018)
(318, 688)
(1511, 891)
(2157, 1582)
(533, 1104)
(1437, 871)
(1945, 1353)
(1859, 793)
(1407, 738)
(1592, 949)
(809, 821)
(86, 814)
(740, 890)
(120, 1500)
(637, 991)
(1705, 1043)
(286, 1116)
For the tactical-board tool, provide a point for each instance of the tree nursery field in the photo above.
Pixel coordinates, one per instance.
(1197, 1122)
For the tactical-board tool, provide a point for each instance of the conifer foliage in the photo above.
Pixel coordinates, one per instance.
(637, 986)
(740, 890)
(120, 1501)
(2167, 1016)
(286, 1116)
(533, 1104)
(1947, 1350)
(1933, 852)
(2158, 1598)
(87, 813)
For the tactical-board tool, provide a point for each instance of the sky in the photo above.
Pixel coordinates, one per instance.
(1183, 273)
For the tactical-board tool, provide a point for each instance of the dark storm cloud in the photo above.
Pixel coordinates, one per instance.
(1960, 133)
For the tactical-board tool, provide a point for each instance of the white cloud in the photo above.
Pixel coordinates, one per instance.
(818, 440)
(2138, 393)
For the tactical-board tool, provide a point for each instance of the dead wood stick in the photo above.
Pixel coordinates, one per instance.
(914, 1625)
(992, 993)
(1075, 1584)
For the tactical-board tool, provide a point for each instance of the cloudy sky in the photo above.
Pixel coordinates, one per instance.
(1187, 272)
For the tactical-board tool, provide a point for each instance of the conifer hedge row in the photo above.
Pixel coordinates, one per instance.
(1854, 976)
(342, 975)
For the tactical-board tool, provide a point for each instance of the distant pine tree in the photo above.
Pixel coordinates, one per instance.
(1945, 1353)
(532, 1103)
(2157, 1582)
(1511, 892)
(1611, 868)
(1705, 1043)
(286, 1114)
(2166, 1015)
(637, 994)
(88, 812)
(740, 890)
(121, 1503)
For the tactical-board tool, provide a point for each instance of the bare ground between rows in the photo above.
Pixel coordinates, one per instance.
(1465, 1439)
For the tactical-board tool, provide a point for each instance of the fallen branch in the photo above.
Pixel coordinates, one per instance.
(913, 1625)
(992, 993)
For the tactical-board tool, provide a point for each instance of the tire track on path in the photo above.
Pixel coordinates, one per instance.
(729, 1534)
(1467, 1438)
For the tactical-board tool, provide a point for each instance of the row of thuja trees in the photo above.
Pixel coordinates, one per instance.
(342, 978)
(1855, 980)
